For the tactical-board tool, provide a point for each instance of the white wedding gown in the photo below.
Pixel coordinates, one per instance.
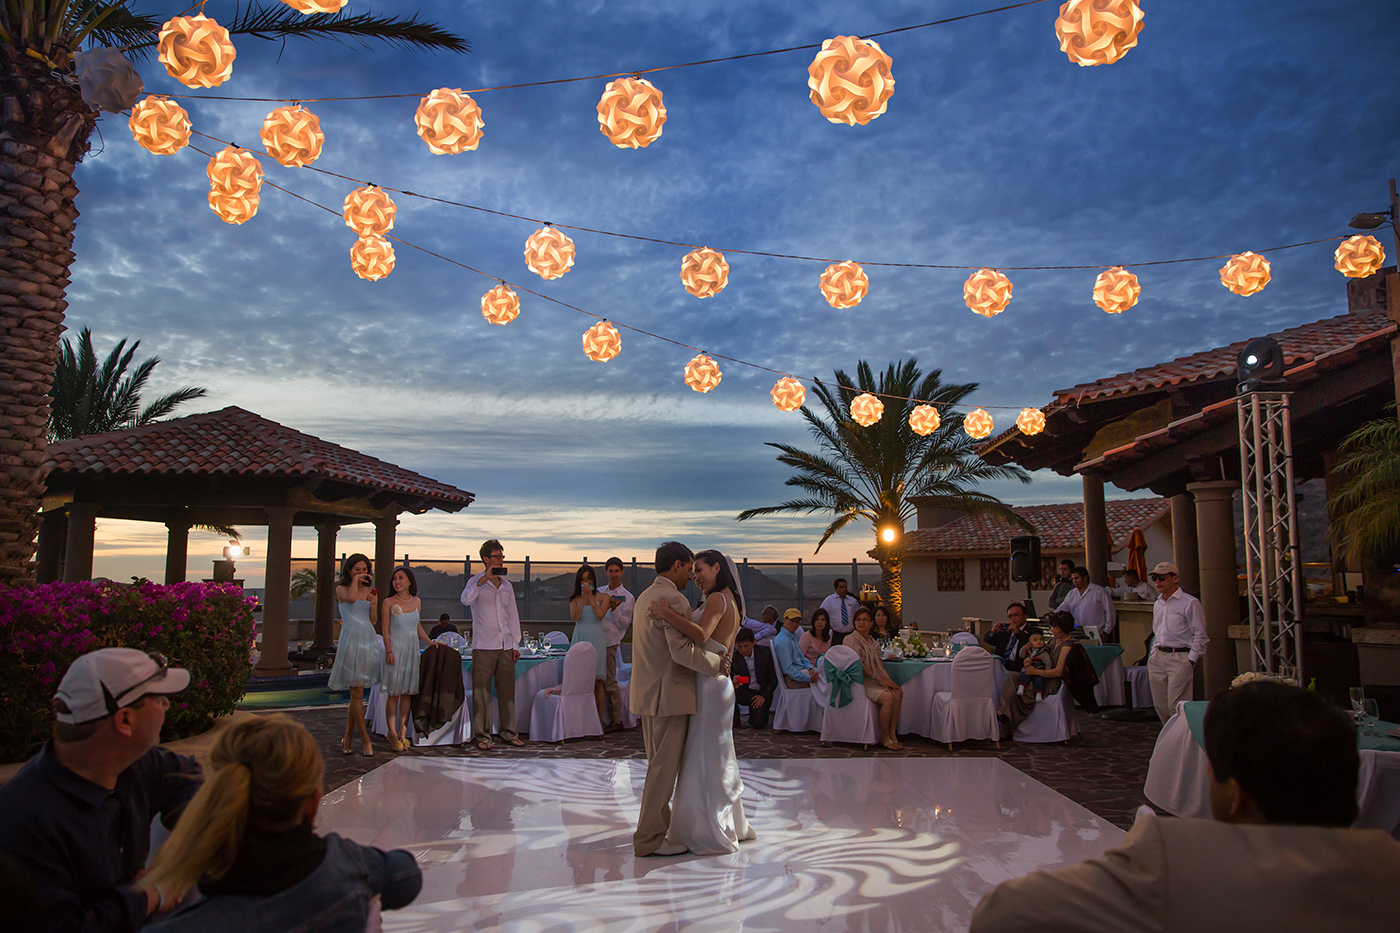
(707, 812)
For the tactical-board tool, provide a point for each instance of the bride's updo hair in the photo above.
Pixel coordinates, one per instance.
(724, 580)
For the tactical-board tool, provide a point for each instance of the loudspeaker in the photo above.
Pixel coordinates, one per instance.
(1025, 559)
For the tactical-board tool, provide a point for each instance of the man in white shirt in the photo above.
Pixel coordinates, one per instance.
(1178, 641)
(615, 626)
(765, 627)
(841, 608)
(1134, 587)
(495, 646)
(1089, 603)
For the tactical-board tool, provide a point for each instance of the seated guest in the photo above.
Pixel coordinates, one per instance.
(1016, 706)
(817, 638)
(1035, 660)
(764, 627)
(754, 679)
(880, 688)
(444, 624)
(1006, 639)
(797, 672)
(883, 628)
(1277, 856)
(1134, 588)
(248, 844)
(78, 815)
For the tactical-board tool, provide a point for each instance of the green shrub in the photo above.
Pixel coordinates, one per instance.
(205, 628)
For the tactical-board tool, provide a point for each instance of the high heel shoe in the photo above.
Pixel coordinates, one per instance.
(367, 750)
(345, 748)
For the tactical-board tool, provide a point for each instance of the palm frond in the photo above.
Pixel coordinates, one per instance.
(279, 22)
(1367, 503)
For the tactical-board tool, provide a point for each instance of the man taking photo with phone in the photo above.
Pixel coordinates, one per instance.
(495, 637)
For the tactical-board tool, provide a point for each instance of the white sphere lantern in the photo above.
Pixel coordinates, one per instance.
(372, 257)
(549, 253)
(1246, 273)
(844, 284)
(235, 184)
(866, 409)
(1359, 257)
(924, 420)
(602, 342)
(449, 121)
(1098, 32)
(1030, 421)
(631, 113)
(369, 211)
(704, 272)
(987, 292)
(500, 305)
(107, 80)
(850, 80)
(702, 373)
(1116, 290)
(196, 51)
(978, 424)
(293, 136)
(160, 125)
(788, 394)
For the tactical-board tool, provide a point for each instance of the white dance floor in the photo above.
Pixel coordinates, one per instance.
(843, 844)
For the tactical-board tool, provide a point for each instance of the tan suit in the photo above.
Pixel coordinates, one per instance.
(664, 663)
(1202, 875)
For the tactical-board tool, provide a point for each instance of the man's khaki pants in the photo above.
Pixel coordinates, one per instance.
(610, 686)
(664, 737)
(490, 666)
(1171, 676)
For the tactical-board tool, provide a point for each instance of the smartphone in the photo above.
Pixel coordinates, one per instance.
(498, 571)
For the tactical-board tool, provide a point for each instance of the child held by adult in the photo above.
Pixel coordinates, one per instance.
(359, 657)
(1035, 661)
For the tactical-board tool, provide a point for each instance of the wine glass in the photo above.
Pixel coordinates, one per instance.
(1371, 713)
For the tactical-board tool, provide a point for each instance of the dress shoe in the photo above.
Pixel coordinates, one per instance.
(670, 848)
(612, 727)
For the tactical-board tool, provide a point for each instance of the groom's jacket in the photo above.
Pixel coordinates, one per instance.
(664, 661)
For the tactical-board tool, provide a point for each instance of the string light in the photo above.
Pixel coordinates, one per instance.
(844, 284)
(500, 305)
(372, 257)
(1245, 274)
(316, 6)
(702, 373)
(866, 409)
(1116, 290)
(602, 342)
(196, 51)
(788, 394)
(850, 80)
(1031, 421)
(235, 180)
(449, 121)
(549, 253)
(369, 211)
(704, 273)
(631, 113)
(293, 136)
(978, 424)
(924, 420)
(1359, 257)
(1098, 32)
(987, 292)
(160, 125)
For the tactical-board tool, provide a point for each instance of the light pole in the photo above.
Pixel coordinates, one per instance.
(1370, 221)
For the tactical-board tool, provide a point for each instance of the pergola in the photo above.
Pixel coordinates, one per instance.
(231, 467)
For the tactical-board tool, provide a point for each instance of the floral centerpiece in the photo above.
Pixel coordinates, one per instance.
(1249, 677)
(910, 646)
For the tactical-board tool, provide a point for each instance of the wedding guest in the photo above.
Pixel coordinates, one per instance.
(77, 816)
(1088, 602)
(796, 670)
(403, 632)
(615, 623)
(817, 638)
(1278, 854)
(883, 628)
(1134, 588)
(359, 656)
(880, 688)
(249, 845)
(1178, 641)
(841, 609)
(1035, 660)
(1006, 639)
(495, 646)
(764, 627)
(754, 679)
(1015, 707)
(444, 625)
(587, 607)
(1063, 584)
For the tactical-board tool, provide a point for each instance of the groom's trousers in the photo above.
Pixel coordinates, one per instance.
(665, 742)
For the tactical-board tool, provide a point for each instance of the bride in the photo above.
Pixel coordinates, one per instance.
(707, 814)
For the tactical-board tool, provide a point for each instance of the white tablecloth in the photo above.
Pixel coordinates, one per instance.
(1109, 692)
(916, 715)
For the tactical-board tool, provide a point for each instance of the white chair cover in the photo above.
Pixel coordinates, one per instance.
(968, 711)
(556, 638)
(629, 718)
(1052, 721)
(854, 722)
(378, 721)
(1137, 683)
(963, 638)
(794, 710)
(571, 713)
(451, 640)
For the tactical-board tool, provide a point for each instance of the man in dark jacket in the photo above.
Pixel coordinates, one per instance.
(755, 680)
(1006, 639)
(1063, 584)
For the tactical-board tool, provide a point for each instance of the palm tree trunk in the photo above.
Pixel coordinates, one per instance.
(891, 586)
(45, 132)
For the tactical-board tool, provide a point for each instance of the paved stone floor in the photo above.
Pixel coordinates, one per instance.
(1103, 768)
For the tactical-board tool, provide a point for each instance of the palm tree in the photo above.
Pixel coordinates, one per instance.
(874, 473)
(44, 132)
(88, 399)
(1367, 504)
(303, 583)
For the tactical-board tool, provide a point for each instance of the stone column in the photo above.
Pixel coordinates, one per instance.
(50, 557)
(383, 556)
(1096, 546)
(1185, 553)
(325, 586)
(177, 545)
(1220, 589)
(277, 595)
(82, 531)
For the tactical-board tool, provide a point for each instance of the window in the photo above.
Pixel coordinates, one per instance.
(950, 574)
(1048, 569)
(996, 573)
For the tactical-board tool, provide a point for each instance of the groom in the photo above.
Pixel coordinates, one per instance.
(664, 663)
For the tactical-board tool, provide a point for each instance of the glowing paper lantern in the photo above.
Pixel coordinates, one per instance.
(704, 272)
(234, 208)
(630, 113)
(924, 420)
(1359, 257)
(293, 136)
(160, 125)
(987, 291)
(844, 284)
(702, 373)
(372, 257)
(369, 211)
(1098, 32)
(449, 121)
(196, 51)
(1245, 274)
(500, 305)
(316, 6)
(1031, 421)
(602, 342)
(1116, 290)
(850, 80)
(235, 183)
(549, 253)
(978, 424)
(866, 409)
(106, 80)
(788, 394)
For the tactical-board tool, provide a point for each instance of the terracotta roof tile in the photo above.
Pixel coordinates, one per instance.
(1061, 528)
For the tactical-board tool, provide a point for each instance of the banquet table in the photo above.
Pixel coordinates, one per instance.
(921, 679)
(1108, 664)
(532, 674)
(1178, 783)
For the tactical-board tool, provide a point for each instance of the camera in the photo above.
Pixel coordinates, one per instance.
(498, 571)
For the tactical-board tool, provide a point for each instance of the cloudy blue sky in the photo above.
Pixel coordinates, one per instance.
(1231, 126)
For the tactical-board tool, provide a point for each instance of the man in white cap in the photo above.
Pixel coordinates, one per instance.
(1178, 641)
(78, 815)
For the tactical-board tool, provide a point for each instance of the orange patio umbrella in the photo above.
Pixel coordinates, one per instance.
(1137, 553)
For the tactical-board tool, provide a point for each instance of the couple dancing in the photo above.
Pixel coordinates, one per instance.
(682, 693)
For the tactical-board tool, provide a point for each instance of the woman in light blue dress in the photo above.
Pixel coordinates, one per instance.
(399, 621)
(587, 607)
(359, 657)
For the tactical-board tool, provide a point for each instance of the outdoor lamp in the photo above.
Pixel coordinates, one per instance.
(449, 121)
(316, 6)
(1031, 421)
(702, 373)
(844, 284)
(788, 394)
(369, 211)
(106, 80)
(372, 257)
(500, 305)
(602, 342)
(1245, 274)
(293, 136)
(631, 113)
(866, 409)
(978, 424)
(888, 534)
(549, 253)
(704, 272)
(850, 80)
(987, 292)
(236, 550)
(1359, 257)
(1098, 32)
(1368, 220)
(1261, 360)
(924, 420)
(234, 208)
(235, 180)
(1116, 290)
(160, 125)
(196, 51)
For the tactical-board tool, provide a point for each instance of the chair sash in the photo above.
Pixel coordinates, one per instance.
(840, 680)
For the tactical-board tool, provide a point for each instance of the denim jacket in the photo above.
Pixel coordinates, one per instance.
(334, 898)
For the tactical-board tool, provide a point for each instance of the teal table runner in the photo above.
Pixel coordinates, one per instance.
(521, 667)
(1195, 711)
(1101, 656)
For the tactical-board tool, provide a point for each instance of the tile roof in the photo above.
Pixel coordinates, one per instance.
(233, 441)
(1060, 527)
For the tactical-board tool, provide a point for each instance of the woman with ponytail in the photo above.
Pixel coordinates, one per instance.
(246, 841)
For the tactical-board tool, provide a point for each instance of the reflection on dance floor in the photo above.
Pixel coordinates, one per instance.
(855, 844)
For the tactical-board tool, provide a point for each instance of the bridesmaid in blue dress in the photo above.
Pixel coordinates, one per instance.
(399, 621)
(587, 607)
(358, 655)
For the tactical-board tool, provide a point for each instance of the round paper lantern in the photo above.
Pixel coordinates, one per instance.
(987, 291)
(630, 113)
(1116, 290)
(702, 373)
(372, 257)
(704, 272)
(316, 6)
(924, 420)
(235, 180)
(1031, 421)
(106, 80)
(449, 121)
(196, 51)
(500, 305)
(549, 253)
(978, 424)
(293, 136)
(1245, 274)
(1359, 257)
(602, 342)
(369, 211)
(866, 409)
(234, 208)
(788, 394)
(1098, 32)
(850, 80)
(160, 125)
(844, 284)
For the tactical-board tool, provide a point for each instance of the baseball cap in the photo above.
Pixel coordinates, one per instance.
(103, 681)
(793, 614)
(1164, 568)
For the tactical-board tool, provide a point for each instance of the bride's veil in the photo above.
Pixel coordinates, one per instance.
(738, 588)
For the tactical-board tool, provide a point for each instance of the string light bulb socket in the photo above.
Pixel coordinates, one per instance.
(631, 113)
(160, 125)
(196, 51)
(702, 373)
(704, 272)
(924, 420)
(987, 292)
(602, 342)
(1098, 32)
(850, 80)
(1359, 256)
(549, 253)
(1246, 273)
(978, 424)
(293, 136)
(372, 257)
(866, 409)
(500, 305)
(449, 121)
(844, 284)
(788, 394)
(369, 211)
(1116, 290)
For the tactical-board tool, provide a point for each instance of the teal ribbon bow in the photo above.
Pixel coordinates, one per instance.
(840, 680)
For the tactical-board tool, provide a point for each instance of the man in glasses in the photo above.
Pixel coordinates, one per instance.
(78, 815)
(1178, 641)
(495, 646)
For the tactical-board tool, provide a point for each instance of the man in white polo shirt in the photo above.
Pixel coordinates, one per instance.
(1178, 641)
